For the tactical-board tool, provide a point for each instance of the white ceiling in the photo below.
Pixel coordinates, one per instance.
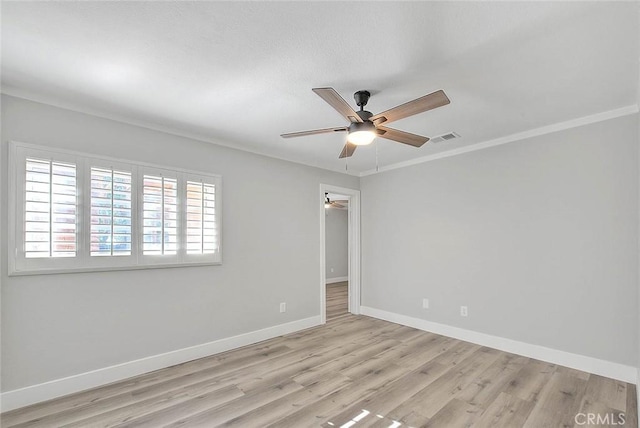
(241, 73)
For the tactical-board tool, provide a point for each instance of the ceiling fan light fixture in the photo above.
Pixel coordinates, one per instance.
(364, 126)
(361, 133)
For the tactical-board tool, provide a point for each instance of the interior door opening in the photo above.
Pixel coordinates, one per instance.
(340, 252)
(336, 215)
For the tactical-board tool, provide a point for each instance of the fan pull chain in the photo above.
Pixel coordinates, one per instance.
(346, 163)
(377, 157)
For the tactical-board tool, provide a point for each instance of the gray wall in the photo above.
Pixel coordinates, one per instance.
(539, 238)
(60, 325)
(337, 243)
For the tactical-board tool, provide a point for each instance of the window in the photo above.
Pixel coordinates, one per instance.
(111, 212)
(160, 215)
(202, 233)
(50, 209)
(75, 212)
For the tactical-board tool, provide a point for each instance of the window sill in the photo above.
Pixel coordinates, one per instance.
(109, 268)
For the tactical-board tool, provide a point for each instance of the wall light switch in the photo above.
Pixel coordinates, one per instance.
(425, 303)
(283, 307)
(463, 311)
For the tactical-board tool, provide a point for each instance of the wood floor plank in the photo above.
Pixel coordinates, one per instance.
(530, 380)
(368, 419)
(489, 384)
(601, 415)
(558, 402)
(608, 399)
(457, 351)
(437, 394)
(362, 387)
(414, 419)
(354, 367)
(631, 415)
(610, 392)
(506, 411)
(305, 360)
(284, 406)
(410, 354)
(293, 368)
(344, 362)
(573, 372)
(337, 305)
(342, 329)
(173, 390)
(456, 413)
(217, 415)
(396, 393)
(393, 394)
(181, 409)
(122, 415)
(135, 387)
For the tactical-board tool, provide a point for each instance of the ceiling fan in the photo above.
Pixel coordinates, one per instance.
(328, 203)
(365, 126)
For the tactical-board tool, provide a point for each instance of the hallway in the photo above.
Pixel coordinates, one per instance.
(337, 305)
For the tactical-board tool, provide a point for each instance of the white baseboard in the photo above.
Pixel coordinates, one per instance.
(575, 361)
(56, 388)
(337, 279)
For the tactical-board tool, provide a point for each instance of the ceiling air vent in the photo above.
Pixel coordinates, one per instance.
(444, 137)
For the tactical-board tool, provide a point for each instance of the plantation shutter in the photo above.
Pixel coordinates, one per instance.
(73, 212)
(202, 228)
(159, 215)
(50, 210)
(111, 212)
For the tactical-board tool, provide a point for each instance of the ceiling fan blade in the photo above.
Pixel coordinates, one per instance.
(315, 131)
(341, 201)
(337, 205)
(401, 136)
(347, 150)
(337, 102)
(419, 105)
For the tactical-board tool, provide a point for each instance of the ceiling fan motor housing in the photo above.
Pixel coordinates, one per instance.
(362, 98)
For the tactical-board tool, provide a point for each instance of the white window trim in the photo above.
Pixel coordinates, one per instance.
(83, 262)
(18, 227)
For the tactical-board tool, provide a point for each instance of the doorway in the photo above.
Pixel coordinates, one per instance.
(336, 240)
(340, 252)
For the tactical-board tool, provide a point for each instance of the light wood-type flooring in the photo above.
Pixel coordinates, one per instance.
(337, 305)
(354, 371)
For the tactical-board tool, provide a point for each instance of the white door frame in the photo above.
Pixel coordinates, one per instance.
(354, 249)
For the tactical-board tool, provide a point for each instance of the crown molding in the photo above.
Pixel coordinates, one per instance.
(36, 98)
(561, 126)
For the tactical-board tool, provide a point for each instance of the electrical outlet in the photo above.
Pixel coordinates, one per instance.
(463, 311)
(283, 307)
(425, 303)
